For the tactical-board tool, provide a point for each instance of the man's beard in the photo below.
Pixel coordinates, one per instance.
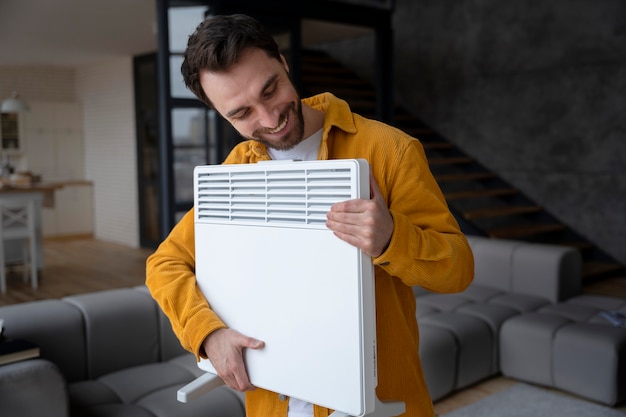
(293, 137)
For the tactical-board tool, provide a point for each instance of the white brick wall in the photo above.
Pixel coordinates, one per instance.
(38, 83)
(106, 92)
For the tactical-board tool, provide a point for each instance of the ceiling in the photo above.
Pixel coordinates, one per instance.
(70, 33)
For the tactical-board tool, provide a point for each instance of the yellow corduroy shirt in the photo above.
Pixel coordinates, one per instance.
(426, 249)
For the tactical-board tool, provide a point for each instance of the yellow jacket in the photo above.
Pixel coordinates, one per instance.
(426, 249)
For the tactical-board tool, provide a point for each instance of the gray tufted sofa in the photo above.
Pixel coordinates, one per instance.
(524, 317)
(107, 353)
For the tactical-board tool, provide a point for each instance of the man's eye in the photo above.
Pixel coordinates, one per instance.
(269, 93)
(241, 116)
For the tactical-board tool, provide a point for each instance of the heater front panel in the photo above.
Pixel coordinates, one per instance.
(270, 269)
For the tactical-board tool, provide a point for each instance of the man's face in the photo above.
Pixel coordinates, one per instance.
(257, 97)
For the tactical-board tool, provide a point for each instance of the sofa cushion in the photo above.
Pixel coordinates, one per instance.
(57, 328)
(105, 394)
(599, 301)
(170, 346)
(131, 384)
(602, 378)
(442, 302)
(520, 302)
(526, 347)
(188, 362)
(548, 271)
(493, 315)
(121, 329)
(493, 261)
(439, 353)
(480, 293)
(474, 344)
(89, 393)
(27, 387)
(569, 346)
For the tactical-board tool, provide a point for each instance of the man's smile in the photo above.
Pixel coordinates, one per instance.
(281, 126)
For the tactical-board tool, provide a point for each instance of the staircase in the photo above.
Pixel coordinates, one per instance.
(483, 203)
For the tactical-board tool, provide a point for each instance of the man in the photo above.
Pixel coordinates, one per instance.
(235, 67)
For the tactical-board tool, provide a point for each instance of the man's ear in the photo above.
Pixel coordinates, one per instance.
(284, 60)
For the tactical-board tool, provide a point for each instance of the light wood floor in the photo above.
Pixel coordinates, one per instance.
(81, 265)
(76, 266)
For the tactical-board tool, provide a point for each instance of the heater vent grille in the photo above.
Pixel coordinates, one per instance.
(276, 197)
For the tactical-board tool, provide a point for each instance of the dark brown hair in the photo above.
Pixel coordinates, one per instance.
(218, 42)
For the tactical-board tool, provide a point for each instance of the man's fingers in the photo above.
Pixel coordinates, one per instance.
(374, 189)
(225, 348)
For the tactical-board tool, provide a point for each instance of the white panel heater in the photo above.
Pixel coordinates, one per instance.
(271, 269)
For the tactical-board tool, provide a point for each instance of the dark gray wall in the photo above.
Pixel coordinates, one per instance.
(535, 90)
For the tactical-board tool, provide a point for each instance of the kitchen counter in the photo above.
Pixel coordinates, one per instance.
(46, 189)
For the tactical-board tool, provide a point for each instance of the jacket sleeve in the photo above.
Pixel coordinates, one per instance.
(170, 277)
(427, 247)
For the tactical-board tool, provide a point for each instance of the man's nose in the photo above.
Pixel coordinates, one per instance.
(269, 116)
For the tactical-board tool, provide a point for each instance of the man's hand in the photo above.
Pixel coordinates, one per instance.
(366, 224)
(224, 348)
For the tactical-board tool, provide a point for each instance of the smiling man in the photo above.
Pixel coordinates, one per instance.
(234, 66)
(265, 110)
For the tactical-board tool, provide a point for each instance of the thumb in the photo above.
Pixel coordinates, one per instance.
(253, 343)
(374, 189)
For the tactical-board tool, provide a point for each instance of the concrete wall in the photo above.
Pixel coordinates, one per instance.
(534, 90)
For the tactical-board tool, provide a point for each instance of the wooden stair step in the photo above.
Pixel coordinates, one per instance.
(417, 131)
(597, 268)
(519, 231)
(466, 176)
(613, 286)
(500, 212)
(437, 145)
(459, 195)
(450, 161)
(580, 245)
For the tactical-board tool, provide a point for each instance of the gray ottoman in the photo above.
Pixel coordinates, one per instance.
(474, 345)
(569, 346)
(440, 347)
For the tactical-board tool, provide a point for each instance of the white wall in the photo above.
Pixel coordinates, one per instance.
(105, 91)
(38, 83)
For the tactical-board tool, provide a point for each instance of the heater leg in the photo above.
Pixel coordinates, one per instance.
(198, 387)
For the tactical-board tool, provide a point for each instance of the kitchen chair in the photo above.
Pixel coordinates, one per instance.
(17, 224)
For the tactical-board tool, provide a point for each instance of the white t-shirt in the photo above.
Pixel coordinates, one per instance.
(306, 150)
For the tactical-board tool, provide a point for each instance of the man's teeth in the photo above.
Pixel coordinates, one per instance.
(279, 127)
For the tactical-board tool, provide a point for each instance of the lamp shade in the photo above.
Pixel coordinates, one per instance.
(13, 104)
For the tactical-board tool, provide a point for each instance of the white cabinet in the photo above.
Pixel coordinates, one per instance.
(52, 141)
(72, 213)
(51, 145)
